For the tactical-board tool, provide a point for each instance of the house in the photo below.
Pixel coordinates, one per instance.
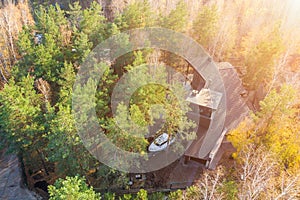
(214, 105)
(207, 102)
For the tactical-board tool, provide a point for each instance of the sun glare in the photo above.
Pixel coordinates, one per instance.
(293, 11)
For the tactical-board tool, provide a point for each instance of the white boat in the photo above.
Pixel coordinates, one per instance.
(160, 143)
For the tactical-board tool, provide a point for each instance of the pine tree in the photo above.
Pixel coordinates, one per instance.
(51, 21)
(205, 25)
(65, 145)
(21, 115)
(75, 15)
(103, 94)
(177, 20)
(66, 81)
(81, 47)
(48, 59)
(92, 23)
(137, 15)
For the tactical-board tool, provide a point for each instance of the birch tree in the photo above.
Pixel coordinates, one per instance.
(256, 171)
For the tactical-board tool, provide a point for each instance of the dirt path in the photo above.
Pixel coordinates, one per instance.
(10, 180)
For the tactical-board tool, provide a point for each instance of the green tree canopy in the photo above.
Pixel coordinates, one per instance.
(137, 15)
(72, 188)
(177, 20)
(205, 25)
(21, 115)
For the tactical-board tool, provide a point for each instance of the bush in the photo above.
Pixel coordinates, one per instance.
(177, 195)
(72, 188)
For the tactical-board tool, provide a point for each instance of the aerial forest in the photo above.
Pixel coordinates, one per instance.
(43, 44)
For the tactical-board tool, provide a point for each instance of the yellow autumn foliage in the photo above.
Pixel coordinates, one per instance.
(275, 126)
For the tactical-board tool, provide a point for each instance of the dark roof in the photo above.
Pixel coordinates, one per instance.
(236, 110)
